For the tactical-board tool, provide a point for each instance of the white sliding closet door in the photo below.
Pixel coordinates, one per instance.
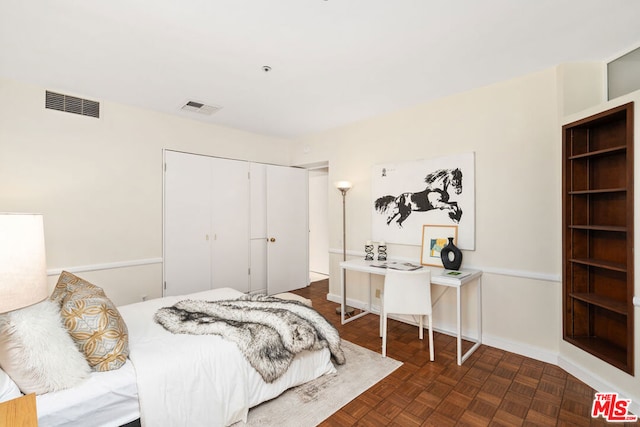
(218, 221)
(187, 223)
(206, 224)
(259, 239)
(230, 219)
(287, 228)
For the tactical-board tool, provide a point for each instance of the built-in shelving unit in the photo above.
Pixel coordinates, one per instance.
(597, 204)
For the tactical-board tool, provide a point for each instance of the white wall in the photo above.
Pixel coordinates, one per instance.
(98, 182)
(514, 129)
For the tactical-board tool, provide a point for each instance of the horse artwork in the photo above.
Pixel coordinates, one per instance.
(436, 195)
(407, 195)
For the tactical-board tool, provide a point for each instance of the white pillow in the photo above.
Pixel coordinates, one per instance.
(8, 389)
(37, 352)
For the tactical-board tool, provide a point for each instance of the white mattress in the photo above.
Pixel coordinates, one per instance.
(111, 398)
(106, 398)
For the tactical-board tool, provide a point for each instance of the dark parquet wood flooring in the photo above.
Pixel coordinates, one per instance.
(491, 388)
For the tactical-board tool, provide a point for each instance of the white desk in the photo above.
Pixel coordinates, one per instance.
(436, 279)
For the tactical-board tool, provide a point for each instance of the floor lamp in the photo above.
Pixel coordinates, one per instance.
(344, 186)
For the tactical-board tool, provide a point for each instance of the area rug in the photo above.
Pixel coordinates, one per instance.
(311, 403)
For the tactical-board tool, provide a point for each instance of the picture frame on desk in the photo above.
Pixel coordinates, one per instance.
(434, 238)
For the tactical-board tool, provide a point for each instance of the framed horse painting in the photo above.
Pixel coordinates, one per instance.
(438, 191)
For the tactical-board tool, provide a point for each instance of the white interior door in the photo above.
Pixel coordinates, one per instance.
(206, 236)
(287, 228)
(258, 227)
(230, 224)
(187, 223)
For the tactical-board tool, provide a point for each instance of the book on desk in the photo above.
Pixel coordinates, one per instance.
(453, 277)
(404, 266)
(455, 274)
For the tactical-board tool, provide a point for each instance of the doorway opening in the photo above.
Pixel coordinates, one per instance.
(318, 221)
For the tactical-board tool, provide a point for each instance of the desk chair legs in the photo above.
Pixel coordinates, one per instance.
(408, 293)
(383, 326)
(431, 355)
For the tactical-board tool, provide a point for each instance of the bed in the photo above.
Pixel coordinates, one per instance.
(174, 379)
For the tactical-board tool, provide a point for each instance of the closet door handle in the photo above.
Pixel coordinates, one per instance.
(273, 239)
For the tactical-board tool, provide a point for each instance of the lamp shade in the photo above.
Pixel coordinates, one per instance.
(23, 267)
(343, 185)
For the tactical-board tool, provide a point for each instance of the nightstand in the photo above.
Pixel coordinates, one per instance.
(19, 412)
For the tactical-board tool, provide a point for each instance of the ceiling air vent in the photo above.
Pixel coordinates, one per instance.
(72, 104)
(199, 107)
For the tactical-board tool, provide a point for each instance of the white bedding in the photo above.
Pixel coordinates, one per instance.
(106, 398)
(181, 379)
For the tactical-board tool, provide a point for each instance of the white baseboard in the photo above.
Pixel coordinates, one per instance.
(352, 303)
(596, 382)
(532, 352)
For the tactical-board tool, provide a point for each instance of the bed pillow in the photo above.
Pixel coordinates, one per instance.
(8, 388)
(37, 352)
(69, 283)
(97, 328)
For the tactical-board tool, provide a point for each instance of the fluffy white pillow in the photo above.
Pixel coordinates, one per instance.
(37, 352)
(8, 389)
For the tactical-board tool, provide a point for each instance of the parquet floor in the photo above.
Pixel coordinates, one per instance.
(492, 388)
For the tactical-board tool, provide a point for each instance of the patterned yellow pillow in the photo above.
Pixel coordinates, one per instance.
(98, 330)
(69, 283)
(93, 321)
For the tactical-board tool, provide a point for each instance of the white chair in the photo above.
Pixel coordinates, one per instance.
(407, 292)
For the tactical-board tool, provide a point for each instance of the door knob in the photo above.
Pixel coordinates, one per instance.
(273, 239)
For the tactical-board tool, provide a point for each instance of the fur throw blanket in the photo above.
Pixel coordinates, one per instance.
(269, 331)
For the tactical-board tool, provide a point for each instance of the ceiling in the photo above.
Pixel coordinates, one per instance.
(332, 62)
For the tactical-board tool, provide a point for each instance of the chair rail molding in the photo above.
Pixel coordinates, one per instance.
(545, 277)
(105, 266)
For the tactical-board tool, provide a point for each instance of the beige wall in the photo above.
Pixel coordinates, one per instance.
(98, 182)
(514, 129)
(99, 185)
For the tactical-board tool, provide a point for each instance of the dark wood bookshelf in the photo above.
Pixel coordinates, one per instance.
(599, 228)
(597, 224)
(602, 349)
(603, 190)
(601, 301)
(616, 266)
(603, 152)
